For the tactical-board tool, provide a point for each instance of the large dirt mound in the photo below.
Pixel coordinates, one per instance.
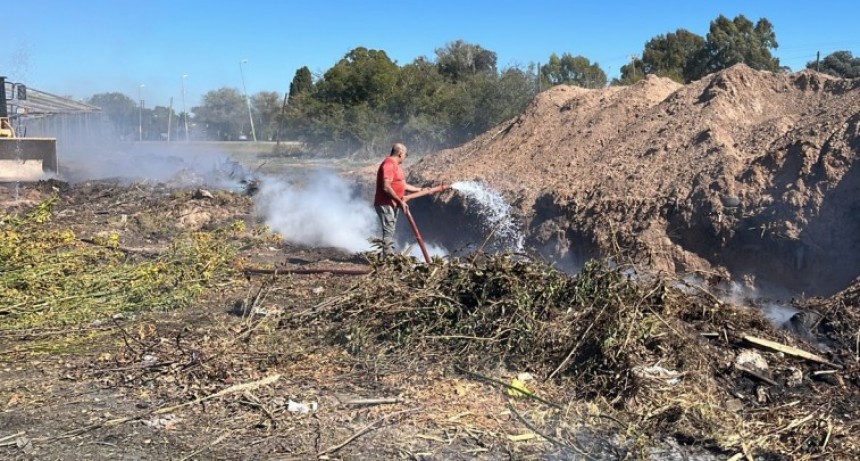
(745, 173)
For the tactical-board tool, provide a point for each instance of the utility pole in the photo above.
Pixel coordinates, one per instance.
(281, 121)
(169, 118)
(818, 61)
(250, 116)
(184, 110)
(633, 65)
(538, 77)
(140, 112)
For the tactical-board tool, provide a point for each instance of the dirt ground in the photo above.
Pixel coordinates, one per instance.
(298, 352)
(269, 364)
(748, 174)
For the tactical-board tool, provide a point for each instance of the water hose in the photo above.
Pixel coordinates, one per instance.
(428, 191)
(417, 235)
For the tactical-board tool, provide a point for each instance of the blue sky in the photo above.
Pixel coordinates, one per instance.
(81, 48)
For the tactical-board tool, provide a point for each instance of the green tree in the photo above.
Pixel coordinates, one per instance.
(458, 60)
(668, 55)
(415, 105)
(573, 70)
(302, 83)
(839, 63)
(121, 110)
(266, 108)
(362, 76)
(158, 121)
(365, 101)
(223, 114)
(631, 73)
(730, 42)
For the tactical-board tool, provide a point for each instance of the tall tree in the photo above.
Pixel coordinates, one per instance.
(267, 106)
(667, 55)
(223, 114)
(158, 122)
(730, 42)
(415, 106)
(362, 76)
(631, 73)
(458, 60)
(839, 63)
(121, 110)
(302, 83)
(573, 70)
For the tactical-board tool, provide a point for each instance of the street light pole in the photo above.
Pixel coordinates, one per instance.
(184, 110)
(247, 99)
(140, 112)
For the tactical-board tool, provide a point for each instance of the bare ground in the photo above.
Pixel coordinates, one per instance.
(232, 376)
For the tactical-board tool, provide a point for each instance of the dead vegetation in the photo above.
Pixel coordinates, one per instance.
(644, 354)
(219, 362)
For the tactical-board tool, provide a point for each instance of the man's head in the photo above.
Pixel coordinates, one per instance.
(399, 150)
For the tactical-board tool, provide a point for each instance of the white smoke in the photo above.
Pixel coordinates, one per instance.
(176, 164)
(324, 211)
(433, 249)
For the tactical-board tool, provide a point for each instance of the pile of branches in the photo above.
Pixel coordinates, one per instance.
(520, 313)
(645, 350)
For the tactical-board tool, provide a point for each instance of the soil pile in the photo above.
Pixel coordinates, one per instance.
(745, 173)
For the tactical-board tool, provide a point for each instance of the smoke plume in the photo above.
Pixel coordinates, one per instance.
(323, 211)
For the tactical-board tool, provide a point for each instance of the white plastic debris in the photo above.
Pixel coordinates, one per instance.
(167, 422)
(657, 372)
(751, 360)
(298, 407)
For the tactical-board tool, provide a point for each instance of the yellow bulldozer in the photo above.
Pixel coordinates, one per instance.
(22, 158)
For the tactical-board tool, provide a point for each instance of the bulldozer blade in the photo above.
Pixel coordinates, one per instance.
(18, 156)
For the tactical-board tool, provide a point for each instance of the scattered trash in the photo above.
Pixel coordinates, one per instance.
(297, 407)
(518, 388)
(525, 377)
(265, 311)
(166, 422)
(795, 377)
(752, 360)
(657, 372)
(24, 444)
(202, 193)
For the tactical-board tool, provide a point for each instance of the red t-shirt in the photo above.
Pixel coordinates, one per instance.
(389, 169)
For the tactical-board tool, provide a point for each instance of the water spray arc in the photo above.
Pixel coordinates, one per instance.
(495, 211)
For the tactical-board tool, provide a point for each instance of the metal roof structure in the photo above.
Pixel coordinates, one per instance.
(37, 103)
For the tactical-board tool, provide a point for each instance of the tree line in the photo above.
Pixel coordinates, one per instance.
(366, 100)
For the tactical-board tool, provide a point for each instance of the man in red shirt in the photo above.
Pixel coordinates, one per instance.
(391, 186)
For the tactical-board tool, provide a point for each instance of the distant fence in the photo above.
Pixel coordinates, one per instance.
(70, 130)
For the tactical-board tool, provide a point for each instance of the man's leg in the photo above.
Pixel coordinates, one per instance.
(388, 221)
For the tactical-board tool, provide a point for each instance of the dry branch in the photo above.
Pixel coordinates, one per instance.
(361, 432)
(793, 351)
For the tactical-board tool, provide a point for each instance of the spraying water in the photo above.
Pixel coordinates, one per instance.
(496, 212)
